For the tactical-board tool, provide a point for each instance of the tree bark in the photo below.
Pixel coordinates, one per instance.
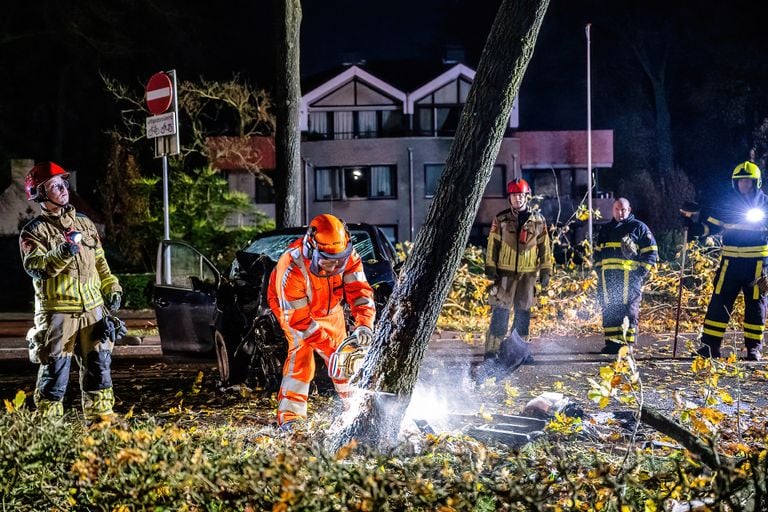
(287, 135)
(403, 333)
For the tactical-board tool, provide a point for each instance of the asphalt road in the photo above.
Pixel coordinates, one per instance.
(143, 376)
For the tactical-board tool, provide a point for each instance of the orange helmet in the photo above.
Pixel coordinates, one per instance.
(518, 186)
(38, 175)
(327, 238)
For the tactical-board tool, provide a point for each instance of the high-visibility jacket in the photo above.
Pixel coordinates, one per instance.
(296, 296)
(65, 283)
(518, 243)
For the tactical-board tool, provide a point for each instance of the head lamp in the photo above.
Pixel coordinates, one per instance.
(755, 215)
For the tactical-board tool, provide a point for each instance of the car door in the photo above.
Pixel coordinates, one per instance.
(184, 297)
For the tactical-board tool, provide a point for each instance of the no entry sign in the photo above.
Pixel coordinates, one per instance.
(159, 93)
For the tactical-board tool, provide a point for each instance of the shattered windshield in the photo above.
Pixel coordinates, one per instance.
(274, 245)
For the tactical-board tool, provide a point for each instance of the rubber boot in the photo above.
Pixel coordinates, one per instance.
(97, 405)
(48, 408)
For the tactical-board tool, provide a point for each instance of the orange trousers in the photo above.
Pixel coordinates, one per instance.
(299, 367)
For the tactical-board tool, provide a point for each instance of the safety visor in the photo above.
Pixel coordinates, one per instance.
(322, 259)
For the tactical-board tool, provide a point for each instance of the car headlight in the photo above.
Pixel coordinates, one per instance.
(234, 270)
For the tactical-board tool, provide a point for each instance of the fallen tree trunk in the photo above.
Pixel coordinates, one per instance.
(682, 435)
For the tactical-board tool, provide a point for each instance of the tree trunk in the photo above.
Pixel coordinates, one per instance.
(403, 333)
(287, 178)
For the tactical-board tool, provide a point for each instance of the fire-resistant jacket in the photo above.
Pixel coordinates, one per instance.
(65, 283)
(626, 245)
(297, 296)
(741, 237)
(510, 252)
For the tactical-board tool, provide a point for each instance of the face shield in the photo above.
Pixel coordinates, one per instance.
(326, 264)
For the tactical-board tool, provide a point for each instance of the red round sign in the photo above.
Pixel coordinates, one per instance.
(159, 94)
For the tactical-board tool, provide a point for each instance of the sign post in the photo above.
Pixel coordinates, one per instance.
(161, 95)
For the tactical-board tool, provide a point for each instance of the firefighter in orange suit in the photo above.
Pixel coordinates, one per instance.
(519, 251)
(306, 289)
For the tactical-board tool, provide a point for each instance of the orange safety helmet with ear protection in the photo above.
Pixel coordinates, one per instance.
(327, 238)
(38, 175)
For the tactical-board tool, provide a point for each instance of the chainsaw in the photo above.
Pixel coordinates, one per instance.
(347, 359)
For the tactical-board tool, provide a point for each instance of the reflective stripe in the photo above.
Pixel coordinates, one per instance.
(353, 277)
(363, 301)
(754, 327)
(294, 386)
(719, 286)
(758, 273)
(744, 252)
(752, 336)
(714, 221)
(625, 292)
(296, 304)
(306, 333)
(715, 323)
(649, 249)
(716, 334)
(288, 405)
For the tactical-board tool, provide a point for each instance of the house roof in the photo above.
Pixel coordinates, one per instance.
(564, 149)
(232, 153)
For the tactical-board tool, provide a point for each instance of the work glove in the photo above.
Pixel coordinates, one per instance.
(113, 329)
(762, 284)
(629, 248)
(68, 249)
(364, 335)
(113, 300)
(544, 279)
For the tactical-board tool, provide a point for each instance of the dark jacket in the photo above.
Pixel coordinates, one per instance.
(742, 238)
(626, 245)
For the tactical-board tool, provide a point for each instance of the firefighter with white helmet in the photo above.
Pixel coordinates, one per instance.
(742, 220)
(61, 251)
(305, 293)
(518, 252)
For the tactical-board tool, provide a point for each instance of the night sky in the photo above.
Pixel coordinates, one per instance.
(54, 106)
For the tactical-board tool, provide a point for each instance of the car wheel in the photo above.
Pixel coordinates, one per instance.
(222, 356)
(232, 369)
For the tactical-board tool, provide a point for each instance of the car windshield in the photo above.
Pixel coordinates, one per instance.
(274, 245)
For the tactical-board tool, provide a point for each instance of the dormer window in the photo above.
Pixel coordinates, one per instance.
(437, 114)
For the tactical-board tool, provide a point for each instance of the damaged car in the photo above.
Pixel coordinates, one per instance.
(203, 313)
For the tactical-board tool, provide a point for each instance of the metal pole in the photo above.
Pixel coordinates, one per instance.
(166, 224)
(680, 291)
(589, 136)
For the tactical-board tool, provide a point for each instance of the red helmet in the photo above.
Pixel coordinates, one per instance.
(327, 238)
(38, 175)
(518, 186)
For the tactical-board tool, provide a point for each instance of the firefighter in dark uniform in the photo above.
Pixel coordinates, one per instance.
(742, 220)
(518, 252)
(625, 252)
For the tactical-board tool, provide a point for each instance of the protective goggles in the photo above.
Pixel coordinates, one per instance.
(321, 259)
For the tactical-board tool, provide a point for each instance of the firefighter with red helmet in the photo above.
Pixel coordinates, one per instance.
(624, 254)
(305, 293)
(61, 251)
(742, 220)
(518, 252)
